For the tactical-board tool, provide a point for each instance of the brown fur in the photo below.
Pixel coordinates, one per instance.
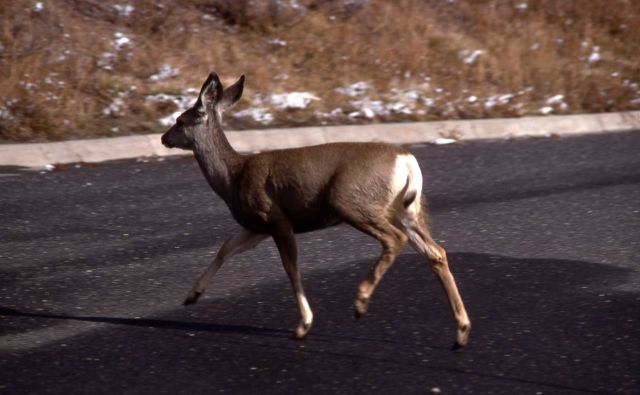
(311, 185)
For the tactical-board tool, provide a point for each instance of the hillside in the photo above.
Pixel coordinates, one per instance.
(83, 68)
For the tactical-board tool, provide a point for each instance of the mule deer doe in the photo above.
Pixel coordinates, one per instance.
(374, 187)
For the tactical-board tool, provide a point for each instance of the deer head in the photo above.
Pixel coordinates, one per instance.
(195, 123)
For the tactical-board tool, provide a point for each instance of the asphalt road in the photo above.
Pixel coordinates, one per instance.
(543, 238)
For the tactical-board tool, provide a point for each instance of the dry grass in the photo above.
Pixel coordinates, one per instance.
(60, 71)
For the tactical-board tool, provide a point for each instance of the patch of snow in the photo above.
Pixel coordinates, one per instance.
(48, 167)
(182, 101)
(120, 41)
(490, 102)
(165, 72)
(399, 108)
(470, 57)
(283, 101)
(39, 6)
(321, 115)
(5, 114)
(355, 89)
(124, 10)
(494, 100)
(261, 115)
(170, 119)
(278, 42)
(49, 96)
(64, 55)
(27, 85)
(534, 47)
(522, 6)
(472, 99)
(525, 90)
(292, 3)
(428, 101)
(443, 141)
(114, 108)
(368, 108)
(546, 110)
(336, 112)
(504, 99)
(280, 77)
(554, 102)
(595, 55)
(105, 61)
(404, 100)
(410, 96)
(557, 99)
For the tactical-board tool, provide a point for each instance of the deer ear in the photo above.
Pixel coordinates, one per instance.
(211, 92)
(232, 94)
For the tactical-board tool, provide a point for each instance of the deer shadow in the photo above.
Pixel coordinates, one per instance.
(541, 310)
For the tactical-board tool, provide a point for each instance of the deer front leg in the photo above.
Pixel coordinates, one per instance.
(243, 241)
(286, 243)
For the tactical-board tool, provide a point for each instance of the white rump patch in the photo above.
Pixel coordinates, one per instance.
(407, 168)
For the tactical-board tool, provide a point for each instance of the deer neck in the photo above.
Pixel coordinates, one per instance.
(218, 161)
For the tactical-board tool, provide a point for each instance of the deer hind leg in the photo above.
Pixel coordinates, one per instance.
(392, 240)
(392, 244)
(286, 242)
(436, 256)
(243, 241)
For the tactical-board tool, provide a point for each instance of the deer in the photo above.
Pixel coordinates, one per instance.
(374, 187)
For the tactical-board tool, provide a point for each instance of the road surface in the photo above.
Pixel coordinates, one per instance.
(543, 238)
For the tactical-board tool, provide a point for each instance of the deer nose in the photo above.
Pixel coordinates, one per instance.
(165, 141)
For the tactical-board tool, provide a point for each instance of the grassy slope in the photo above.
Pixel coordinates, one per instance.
(63, 75)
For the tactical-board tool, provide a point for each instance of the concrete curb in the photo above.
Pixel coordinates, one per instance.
(98, 150)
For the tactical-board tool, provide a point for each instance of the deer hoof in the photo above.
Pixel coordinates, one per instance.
(301, 331)
(361, 306)
(462, 337)
(192, 298)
